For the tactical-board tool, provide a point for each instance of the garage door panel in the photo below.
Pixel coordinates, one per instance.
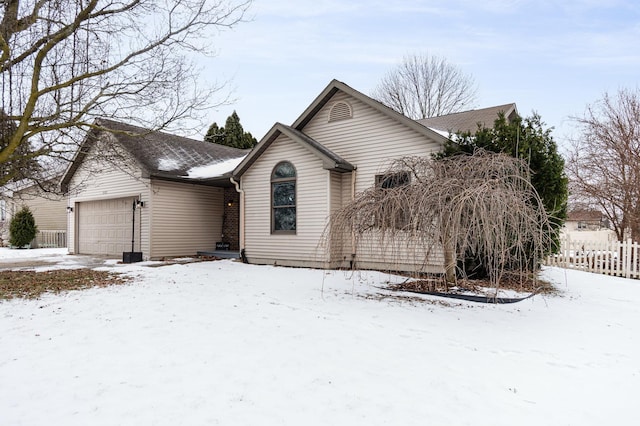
(104, 226)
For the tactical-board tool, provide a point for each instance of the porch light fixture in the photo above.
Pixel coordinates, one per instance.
(230, 203)
(69, 209)
(139, 203)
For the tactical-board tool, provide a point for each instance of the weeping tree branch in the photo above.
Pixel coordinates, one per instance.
(481, 205)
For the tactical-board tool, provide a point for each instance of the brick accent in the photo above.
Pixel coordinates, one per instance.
(231, 220)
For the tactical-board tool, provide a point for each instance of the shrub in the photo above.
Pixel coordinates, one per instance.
(22, 228)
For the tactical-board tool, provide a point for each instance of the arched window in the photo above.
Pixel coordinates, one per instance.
(283, 198)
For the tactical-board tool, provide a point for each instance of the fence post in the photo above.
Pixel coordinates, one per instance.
(627, 258)
(566, 255)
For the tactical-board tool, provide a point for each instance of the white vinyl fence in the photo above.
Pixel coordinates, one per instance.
(610, 257)
(50, 239)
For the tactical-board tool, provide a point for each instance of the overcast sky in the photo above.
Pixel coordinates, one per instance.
(552, 57)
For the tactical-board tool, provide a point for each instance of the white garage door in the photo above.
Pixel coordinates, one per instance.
(104, 227)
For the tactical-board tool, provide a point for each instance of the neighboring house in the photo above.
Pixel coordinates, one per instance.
(163, 194)
(468, 121)
(587, 225)
(298, 175)
(48, 209)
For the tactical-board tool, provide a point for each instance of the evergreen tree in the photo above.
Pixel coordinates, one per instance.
(232, 134)
(234, 131)
(529, 140)
(22, 228)
(215, 134)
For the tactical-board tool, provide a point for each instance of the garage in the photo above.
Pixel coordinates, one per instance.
(104, 226)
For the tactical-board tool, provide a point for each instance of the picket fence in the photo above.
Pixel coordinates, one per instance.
(50, 239)
(604, 257)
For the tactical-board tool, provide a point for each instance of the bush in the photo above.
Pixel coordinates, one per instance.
(22, 228)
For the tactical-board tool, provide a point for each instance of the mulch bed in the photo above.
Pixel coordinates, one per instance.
(168, 261)
(477, 290)
(32, 284)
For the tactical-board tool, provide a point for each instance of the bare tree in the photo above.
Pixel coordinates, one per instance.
(481, 205)
(604, 162)
(425, 86)
(65, 62)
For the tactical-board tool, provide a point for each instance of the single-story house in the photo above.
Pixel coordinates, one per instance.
(299, 174)
(130, 189)
(48, 209)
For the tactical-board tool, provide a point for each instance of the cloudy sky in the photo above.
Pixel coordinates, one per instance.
(552, 57)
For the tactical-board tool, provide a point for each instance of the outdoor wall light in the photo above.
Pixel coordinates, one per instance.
(69, 209)
(230, 203)
(139, 203)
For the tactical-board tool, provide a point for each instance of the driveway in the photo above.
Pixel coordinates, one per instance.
(30, 259)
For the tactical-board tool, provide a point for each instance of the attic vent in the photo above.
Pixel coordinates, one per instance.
(340, 111)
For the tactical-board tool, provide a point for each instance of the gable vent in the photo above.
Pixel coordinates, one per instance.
(340, 111)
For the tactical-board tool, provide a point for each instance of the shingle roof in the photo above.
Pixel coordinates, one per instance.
(584, 215)
(160, 154)
(467, 121)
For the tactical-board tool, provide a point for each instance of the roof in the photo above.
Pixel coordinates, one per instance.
(468, 121)
(295, 131)
(330, 160)
(584, 215)
(159, 154)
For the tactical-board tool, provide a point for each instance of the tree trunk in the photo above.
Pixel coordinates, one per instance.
(449, 263)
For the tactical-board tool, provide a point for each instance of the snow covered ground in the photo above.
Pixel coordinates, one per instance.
(232, 344)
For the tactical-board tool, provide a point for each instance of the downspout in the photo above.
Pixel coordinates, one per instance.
(241, 192)
(353, 233)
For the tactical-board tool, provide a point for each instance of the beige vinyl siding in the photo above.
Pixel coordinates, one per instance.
(371, 140)
(398, 254)
(312, 206)
(49, 213)
(95, 180)
(185, 218)
(335, 203)
(336, 191)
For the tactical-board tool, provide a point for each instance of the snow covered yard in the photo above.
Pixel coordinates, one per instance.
(233, 344)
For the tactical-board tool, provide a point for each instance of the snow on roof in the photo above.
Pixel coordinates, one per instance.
(160, 154)
(446, 134)
(215, 169)
(168, 164)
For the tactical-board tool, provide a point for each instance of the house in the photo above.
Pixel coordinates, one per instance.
(469, 121)
(48, 209)
(584, 224)
(134, 190)
(298, 175)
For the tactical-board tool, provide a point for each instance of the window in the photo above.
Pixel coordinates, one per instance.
(394, 211)
(393, 180)
(283, 198)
